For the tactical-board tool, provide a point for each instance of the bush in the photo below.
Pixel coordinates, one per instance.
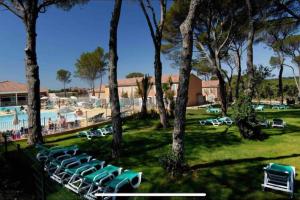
(245, 117)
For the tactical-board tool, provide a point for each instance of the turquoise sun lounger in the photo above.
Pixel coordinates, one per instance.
(84, 182)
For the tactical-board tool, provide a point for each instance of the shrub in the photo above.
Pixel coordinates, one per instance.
(245, 117)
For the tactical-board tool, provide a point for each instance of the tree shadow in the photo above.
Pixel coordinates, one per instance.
(219, 163)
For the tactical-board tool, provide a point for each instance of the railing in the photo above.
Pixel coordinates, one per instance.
(89, 118)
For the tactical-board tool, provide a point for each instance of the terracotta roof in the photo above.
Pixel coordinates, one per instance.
(15, 87)
(210, 84)
(132, 81)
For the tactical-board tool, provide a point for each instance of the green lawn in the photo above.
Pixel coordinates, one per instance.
(222, 164)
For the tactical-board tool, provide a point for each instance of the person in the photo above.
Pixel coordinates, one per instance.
(22, 108)
(63, 121)
(79, 112)
(50, 124)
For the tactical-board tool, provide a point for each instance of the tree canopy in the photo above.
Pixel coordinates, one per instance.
(91, 66)
(134, 75)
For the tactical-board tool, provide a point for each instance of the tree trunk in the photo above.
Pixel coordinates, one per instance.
(250, 66)
(223, 96)
(113, 83)
(33, 81)
(159, 92)
(65, 89)
(239, 71)
(280, 85)
(186, 29)
(144, 107)
(100, 87)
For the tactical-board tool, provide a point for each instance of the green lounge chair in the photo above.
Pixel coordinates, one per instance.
(47, 153)
(107, 129)
(77, 169)
(279, 177)
(128, 177)
(83, 182)
(211, 109)
(210, 121)
(56, 166)
(225, 120)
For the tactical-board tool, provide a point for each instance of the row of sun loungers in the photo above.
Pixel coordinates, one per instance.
(217, 121)
(84, 175)
(100, 132)
(275, 123)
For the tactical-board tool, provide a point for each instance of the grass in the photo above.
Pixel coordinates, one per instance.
(223, 165)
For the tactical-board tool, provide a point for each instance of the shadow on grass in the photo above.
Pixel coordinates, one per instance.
(219, 163)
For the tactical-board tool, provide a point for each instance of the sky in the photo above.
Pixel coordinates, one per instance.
(62, 37)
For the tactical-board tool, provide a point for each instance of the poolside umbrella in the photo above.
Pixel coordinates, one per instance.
(16, 120)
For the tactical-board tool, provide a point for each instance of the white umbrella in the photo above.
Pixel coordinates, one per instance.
(16, 120)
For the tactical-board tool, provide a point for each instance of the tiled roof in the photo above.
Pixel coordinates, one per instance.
(132, 81)
(210, 84)
(12, 87)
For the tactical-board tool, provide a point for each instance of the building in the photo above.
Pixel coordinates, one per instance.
(211, 90)
(127, 89)
(14, 93)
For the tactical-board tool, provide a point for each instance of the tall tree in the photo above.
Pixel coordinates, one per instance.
(113, 81)
(250, 41)
(213, 31)
(91, 66)
(156, 31)
(143, 88)
(28, 11)
(236, 49)
(291, 47)
(276, 32)
(186, 29)
(63, 76)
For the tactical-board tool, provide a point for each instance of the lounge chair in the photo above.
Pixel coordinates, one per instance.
(210, 109)
(279, 177)
(264, 123)
(259, 107)
(278, 123)
(91, 178)
(128, 177)
(77, 169)
(225, 120)
(108, 129)
(90, 134)
(46, 153)
(211, 121)
(280, 106)
(57, 165)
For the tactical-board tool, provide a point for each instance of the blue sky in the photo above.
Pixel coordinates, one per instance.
(63, 36)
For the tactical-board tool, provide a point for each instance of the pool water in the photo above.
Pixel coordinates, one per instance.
(6, 121)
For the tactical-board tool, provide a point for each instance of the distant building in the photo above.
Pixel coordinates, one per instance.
(211, 90)
(14, 93)
(127, 89)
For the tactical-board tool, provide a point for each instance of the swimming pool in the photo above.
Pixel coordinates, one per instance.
(6, 121)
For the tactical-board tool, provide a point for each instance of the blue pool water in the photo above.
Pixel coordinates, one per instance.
(7, 120)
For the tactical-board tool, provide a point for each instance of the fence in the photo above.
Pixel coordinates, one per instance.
(59, 125)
